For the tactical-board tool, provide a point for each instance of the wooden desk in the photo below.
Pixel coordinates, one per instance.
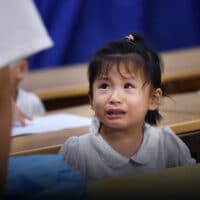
(181, 107)
(182, 121)
(181, 70)
(61, 87)
(30, 142)
(181, 60)
(67, 86)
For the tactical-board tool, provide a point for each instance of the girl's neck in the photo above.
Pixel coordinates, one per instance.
(124, 141)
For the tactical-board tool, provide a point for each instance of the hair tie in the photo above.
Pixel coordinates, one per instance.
(130, 38)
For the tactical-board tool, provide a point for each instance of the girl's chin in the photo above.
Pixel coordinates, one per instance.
(115, 126)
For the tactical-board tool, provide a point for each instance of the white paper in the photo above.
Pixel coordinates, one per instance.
(51, 123)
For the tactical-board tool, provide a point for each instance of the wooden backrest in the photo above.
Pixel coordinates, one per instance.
(186, 127)
(42, 150)
(181, 82)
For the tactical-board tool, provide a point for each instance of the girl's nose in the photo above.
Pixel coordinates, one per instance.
(116, 96)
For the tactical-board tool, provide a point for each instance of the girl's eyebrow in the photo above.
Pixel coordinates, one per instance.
(106, 78)
(102, 78)
(131, 77)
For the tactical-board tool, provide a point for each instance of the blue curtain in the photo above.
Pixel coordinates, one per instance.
(80, 27)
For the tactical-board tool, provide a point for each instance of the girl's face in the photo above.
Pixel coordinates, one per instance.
(121, 100)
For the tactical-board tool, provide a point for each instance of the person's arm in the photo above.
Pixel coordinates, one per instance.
(8, 112)
(5, 120)
(31, 39)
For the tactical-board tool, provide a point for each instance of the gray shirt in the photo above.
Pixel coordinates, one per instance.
(96, 159)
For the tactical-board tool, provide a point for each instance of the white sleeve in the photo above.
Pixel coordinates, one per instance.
(178, 151)
(70, 149)
(38, 106)
(29, 102)
(22, 31)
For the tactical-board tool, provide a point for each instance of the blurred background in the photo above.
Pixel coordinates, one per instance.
(80, 27)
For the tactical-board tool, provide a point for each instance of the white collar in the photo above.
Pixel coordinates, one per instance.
(111, 156)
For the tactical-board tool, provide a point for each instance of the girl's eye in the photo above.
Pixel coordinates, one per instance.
(104, 86)
(129, 85)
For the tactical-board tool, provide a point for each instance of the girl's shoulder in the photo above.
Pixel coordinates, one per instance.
(164, 136)
(164, 132)
(169, 143)
(74, 145)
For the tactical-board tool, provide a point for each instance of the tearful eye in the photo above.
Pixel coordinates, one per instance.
(104, 86)
(128, 85)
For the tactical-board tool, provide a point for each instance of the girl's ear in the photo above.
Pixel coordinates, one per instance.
(155, 100)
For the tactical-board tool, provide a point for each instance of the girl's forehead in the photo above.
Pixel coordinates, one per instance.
(125, 70)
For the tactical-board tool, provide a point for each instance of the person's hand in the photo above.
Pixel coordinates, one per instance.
(18, 116)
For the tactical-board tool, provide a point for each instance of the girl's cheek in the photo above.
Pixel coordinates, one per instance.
(101, 92)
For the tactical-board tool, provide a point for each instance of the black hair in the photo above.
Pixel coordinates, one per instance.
(134, 49)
